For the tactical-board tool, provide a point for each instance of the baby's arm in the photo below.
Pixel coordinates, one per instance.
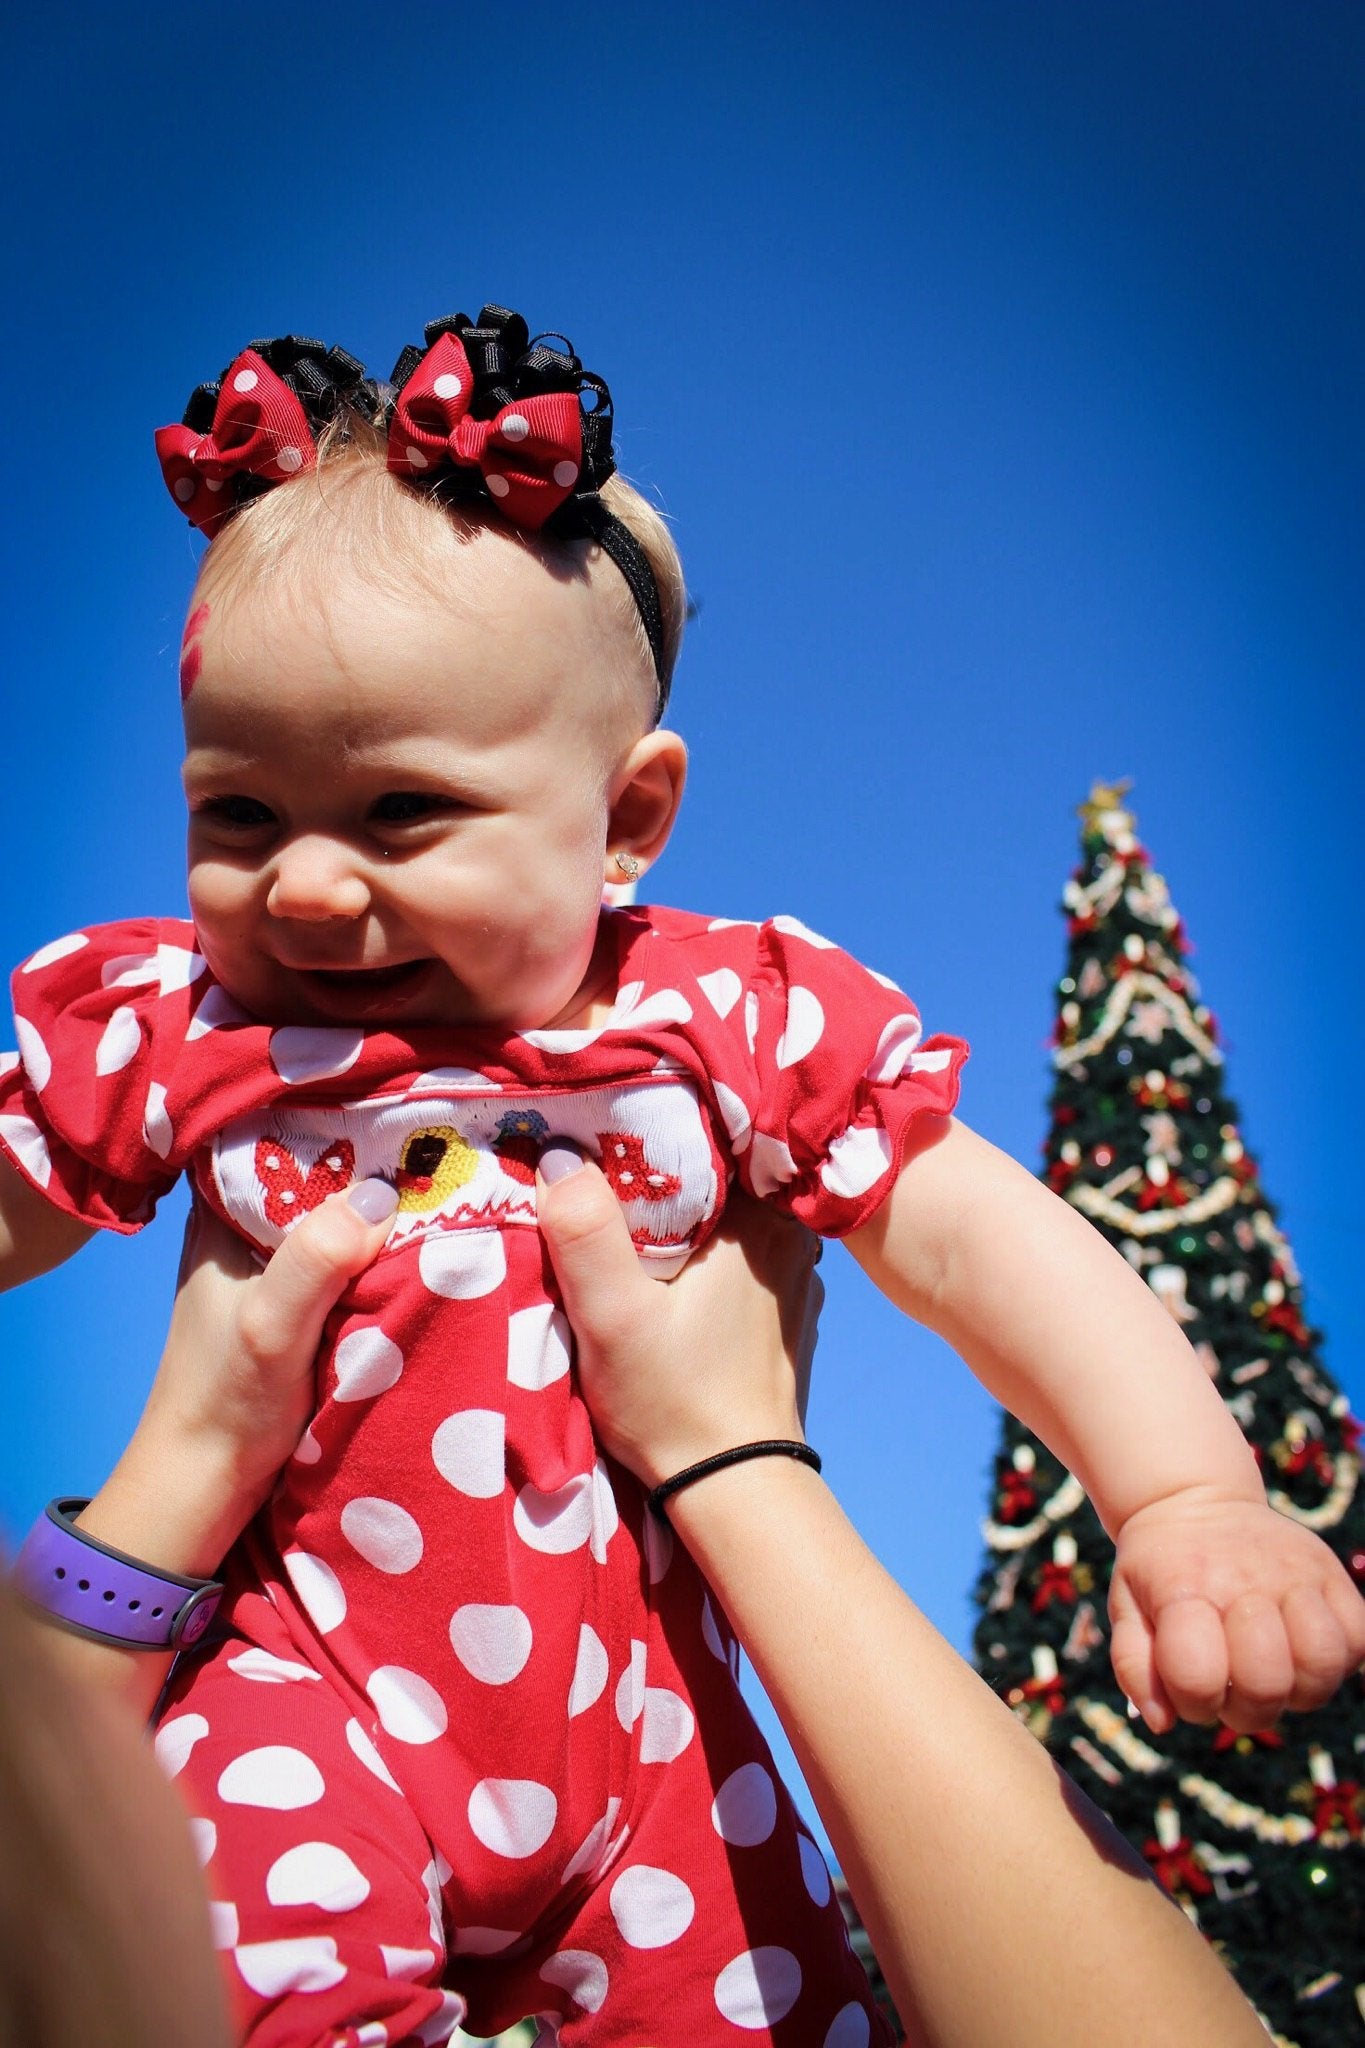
(35, 1235)
(1221, 1608)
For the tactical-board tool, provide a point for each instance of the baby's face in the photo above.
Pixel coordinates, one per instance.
(399, 806)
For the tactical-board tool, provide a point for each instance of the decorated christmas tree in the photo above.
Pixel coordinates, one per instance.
(1258, 1836)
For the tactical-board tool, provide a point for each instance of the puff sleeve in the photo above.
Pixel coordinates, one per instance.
(99, 1016)
(839, 1071)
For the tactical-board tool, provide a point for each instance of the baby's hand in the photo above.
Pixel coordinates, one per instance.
(1224, 1610)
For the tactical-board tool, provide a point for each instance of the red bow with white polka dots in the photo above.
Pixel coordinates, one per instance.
(259, 429)
(529, 455)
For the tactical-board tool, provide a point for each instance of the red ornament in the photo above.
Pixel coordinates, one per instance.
(1017, 1496)
(1178, 1868)
(1054, 1582)
(1227, 1738)
(1337, 1806)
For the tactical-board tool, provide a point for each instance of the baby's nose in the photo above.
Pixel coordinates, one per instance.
(316, 879)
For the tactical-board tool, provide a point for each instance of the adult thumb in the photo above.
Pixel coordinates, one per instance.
(589, 1243)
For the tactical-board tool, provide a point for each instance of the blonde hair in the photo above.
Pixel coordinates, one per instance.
(351, 508)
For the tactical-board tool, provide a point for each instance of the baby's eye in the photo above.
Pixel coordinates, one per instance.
(243, 812)
(406, 806)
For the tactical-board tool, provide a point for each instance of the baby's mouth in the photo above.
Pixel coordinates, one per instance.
(367, 980)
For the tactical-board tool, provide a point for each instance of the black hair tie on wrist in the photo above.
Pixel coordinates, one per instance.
(770, 1447)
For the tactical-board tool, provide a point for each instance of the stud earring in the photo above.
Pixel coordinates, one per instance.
(629, 866)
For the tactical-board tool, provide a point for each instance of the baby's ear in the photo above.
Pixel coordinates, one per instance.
(645, 793)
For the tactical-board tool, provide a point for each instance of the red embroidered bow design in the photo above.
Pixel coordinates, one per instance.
(259, 428)
(529, 454)
(289, 1192)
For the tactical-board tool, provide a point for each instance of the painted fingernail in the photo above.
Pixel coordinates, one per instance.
(375, 1200)
(558, 1161)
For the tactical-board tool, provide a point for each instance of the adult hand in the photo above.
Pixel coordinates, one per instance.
(663, 1391)
(232, 1396)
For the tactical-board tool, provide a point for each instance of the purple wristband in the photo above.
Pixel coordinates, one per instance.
(100, 1592)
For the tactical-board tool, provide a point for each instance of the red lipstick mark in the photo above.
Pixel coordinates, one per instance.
(191, 652)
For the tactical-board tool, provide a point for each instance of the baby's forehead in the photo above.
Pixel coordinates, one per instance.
(424, 633)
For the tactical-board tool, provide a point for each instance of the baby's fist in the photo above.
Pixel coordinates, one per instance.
(1224, 1610)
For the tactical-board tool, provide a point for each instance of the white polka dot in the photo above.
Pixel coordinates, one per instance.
(245, 380)
(857, 1160)
(417, 457)
(814, 1870)
(289, 460)
(405, 1962)
(514, 426)
(591, 1851)
(498, 485)
(630, 1688)
(362, 1747)
(175, 1739)
(9, 1062)
(440, 2028)
(482, 1941)
(156, 1125)
(265, 1669)
(56, 949)
(204, 1835)
(366, 1363)
(493, 1643)
(447, 386)
(658, 1548)
(537, 1346)
(408, 1708)
(850, 2028)
(318, 1588)
(28, 1145)
(316, 1874)
(898, 1040)
(214, 483)
(723, 989)
(307, 1451)
(804, 1026)
(225, 1927)
(34, 1054)
(710, 1634)
(461, 1265)
(184, 489)
(374, 2034)
(306, 1052)
(467, 1450)
(120, 1041)
(273, 1776)
(308, 1962)
(557, 1522)
(887, 982)
(385, 1534)
(565, 473)
(512, 1816)
(433, 1877)
(744, 1811)
(932, 1062)
(216, 1009)
(751, 1019)
(738, 1122)
(651, 1907)
(794, 929)
(667, 1726)
(759, 1987)
(771, 1165)
(176, 967)
(129, 970)
(589, 1672)
(582, 1974)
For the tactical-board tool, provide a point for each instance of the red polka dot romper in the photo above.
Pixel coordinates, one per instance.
(470, 1745)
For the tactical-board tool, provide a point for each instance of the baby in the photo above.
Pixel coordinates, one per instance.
(470, 1743)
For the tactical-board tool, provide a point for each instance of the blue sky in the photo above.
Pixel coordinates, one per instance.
(999, 365)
